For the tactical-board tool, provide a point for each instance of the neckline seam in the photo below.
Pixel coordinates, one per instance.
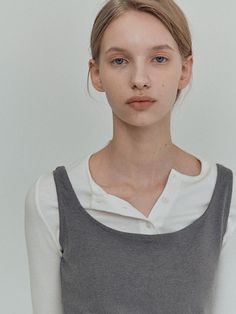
(140, 236)
(97, 189)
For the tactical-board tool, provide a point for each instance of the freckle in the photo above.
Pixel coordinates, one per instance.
(163, 85)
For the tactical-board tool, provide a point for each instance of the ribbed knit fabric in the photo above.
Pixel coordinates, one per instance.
(107, 271)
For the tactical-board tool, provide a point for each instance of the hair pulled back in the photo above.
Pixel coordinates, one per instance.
(167, 11)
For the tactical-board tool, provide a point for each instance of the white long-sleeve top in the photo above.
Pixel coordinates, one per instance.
(182, 201)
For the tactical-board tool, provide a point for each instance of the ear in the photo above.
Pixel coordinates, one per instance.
(186, 75)
(95, 76)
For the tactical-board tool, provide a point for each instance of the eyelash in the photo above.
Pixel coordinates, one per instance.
(113, 61)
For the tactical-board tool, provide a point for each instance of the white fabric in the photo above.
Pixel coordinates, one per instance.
(183, 200)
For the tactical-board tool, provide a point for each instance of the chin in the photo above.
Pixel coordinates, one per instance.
(142, 123)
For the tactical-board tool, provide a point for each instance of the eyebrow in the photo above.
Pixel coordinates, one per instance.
(155, 48)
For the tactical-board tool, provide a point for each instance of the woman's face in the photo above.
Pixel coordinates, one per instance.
(139, 57)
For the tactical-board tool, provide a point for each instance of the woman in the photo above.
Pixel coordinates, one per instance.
(140, 226)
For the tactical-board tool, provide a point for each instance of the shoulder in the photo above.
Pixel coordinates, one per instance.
(41, 199)
(42, 191)
(41, 210)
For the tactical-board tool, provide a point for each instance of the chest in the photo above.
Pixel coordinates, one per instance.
(142, 199)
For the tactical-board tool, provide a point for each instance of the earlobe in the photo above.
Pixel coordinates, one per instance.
(95, 75)
(186, 72)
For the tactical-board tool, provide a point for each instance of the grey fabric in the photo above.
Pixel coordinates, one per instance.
(107, 271)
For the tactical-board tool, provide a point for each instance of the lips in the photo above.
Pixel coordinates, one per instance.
(140, 99)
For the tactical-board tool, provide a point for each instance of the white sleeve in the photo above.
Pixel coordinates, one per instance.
(43, 257)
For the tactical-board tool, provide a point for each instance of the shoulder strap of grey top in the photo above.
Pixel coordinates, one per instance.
(225, 190)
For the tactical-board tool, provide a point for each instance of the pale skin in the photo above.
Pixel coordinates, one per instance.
(136, 164)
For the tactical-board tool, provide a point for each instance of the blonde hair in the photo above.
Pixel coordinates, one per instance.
(167, 11)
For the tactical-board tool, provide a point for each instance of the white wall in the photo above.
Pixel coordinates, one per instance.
(47, 118)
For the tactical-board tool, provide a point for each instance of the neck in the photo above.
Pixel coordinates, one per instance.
(141, 155)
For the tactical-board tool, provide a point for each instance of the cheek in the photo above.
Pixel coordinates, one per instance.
(113, 92)
(168, 89)
(113, 89)
(112, 86)
(109, 78)
(171, 83)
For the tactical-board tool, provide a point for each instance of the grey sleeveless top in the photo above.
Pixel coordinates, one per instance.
(107, 271)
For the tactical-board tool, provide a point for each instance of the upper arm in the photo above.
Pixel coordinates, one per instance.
(43, 257)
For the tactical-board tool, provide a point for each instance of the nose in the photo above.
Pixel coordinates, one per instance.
(140, 78)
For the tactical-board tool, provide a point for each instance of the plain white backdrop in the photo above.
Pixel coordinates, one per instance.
(48, 119)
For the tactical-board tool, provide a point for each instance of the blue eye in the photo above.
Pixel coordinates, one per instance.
(161, 59)
(118, 61)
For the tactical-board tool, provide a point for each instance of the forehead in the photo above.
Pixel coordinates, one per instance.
(137, 29)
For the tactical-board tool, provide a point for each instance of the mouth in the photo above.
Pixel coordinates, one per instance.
(140, 99)
(141, 105)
